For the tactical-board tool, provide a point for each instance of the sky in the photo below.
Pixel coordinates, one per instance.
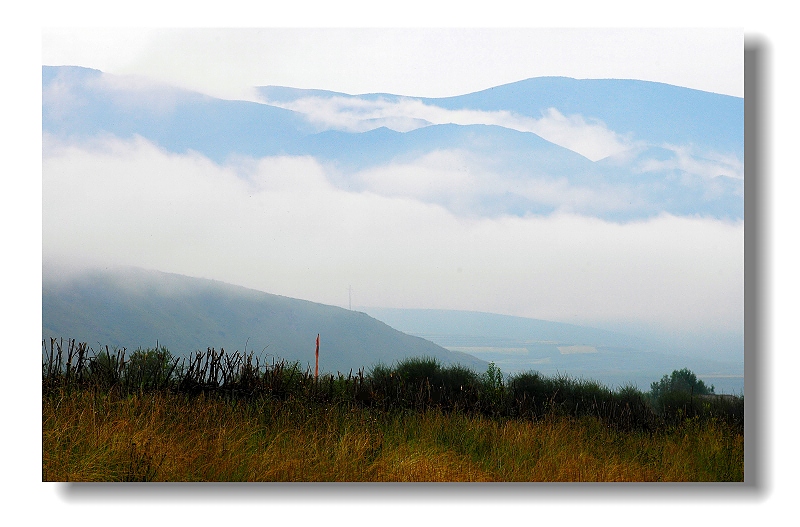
(282, 225)
(418, 62)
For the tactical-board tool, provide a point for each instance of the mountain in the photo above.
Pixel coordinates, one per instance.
(82, 103)
(135, 308)
(521, 150)
(667, 149)
(132, 308)
(519, 344)
(652, 111)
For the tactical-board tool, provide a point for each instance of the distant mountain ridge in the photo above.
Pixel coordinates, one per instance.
(519, 344)
(684, 148)
(654, 111)
(135, 308)
(442, 322)
(626, 105)
(80, 103)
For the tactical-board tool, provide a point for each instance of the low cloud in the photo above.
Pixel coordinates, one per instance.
(459, 181)
(439, 176)
(706, 165)
(65, 95)
(279, 225)
(590, 138)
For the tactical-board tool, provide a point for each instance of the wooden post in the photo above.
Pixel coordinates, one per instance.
(316, 361)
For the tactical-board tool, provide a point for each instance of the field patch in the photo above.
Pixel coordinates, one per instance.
(483, 350)
(572, 350)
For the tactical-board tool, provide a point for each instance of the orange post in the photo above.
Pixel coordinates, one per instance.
(316, 362)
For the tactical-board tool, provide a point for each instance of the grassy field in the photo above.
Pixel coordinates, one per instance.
(416, 421)
(92, 436)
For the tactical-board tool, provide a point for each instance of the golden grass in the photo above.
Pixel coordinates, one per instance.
(90, 436)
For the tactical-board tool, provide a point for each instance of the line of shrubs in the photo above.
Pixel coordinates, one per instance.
(411, 384)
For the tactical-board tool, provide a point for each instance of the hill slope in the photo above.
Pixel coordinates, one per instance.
(519, 344)
(133, 308)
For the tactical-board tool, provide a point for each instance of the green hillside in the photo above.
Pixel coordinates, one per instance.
(133, 307)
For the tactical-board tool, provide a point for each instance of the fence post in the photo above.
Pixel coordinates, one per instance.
(316, 360)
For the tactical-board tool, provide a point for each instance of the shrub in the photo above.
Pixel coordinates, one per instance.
(417, 370)
(681, 395)
(107, 366)
(459, 379)
(412, 384)
(492, 387)
(149, 368)
(684, 381)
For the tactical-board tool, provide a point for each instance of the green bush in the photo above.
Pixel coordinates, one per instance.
(530, 385)
(149, 368)
(412, 384)
(492, 387)
(423, 382)
(418, 370)
(459, 379)
(684, 381)
(107, 366)
(681, 395)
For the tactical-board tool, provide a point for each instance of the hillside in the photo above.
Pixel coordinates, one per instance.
(134, 307)
(518, 344)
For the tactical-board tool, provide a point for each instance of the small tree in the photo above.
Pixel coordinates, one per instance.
(680, 381)
(149, 368)
(493, 385)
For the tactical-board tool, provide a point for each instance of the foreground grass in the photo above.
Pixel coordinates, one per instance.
(91, 435)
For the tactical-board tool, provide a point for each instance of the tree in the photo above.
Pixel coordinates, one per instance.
(149, 368)
(493, 384)
(680, 381)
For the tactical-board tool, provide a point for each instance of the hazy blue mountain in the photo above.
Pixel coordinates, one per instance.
(135, 308)
(655, 112)
(81, 103)
(518, 344)
(285, 94)
(469, 324)
(670, 188)
(522, 157)
(495, 145)
(686, 154)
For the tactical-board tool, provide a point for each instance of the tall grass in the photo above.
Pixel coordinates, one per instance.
(217, 416)
(160, 436)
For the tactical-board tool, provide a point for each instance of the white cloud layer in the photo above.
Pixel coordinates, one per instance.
(591, 139)
(458, 181)
(278, 225)
(707, 165)
(131, 93)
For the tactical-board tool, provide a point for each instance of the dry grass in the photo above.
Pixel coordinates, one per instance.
(92, 436)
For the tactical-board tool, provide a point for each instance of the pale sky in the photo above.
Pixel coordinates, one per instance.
(417, 62)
